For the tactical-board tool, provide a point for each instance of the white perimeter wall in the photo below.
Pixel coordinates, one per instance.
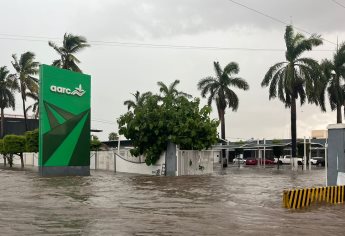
(188, 162)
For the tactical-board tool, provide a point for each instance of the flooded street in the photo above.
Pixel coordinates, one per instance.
(246, 201)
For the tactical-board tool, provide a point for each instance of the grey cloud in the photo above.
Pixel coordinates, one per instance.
(153, 18)
(142, 19)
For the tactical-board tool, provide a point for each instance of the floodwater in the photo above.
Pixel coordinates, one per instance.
(245, 201)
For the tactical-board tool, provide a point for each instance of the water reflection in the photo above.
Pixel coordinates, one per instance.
(235, 201)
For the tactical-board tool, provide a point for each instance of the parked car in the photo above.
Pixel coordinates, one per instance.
(251, 161)
(287, 160)
(267, 162)
(318, 161)
(237, 160)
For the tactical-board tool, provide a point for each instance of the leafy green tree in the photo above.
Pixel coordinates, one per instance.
(113, 136)
(71, 45)
(297, 77)
(139, 100)
(219, 90)
(334, 75)
(153, 125)
(8, 86)
(14, 145)
(26, 67)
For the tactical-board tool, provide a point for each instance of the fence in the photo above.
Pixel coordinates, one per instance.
(188, 162)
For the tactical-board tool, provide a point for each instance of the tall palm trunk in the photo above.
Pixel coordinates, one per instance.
(221, 114)
(2, 123)
(293, 127)
(222, 124)
(339, 117)
(24, 110)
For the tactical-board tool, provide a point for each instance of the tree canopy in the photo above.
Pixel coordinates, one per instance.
(153, 125)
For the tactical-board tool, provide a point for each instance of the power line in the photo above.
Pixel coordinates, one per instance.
(339, 4)
(150, 45)
(275, 19)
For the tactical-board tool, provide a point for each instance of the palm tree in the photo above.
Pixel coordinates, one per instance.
(296, 77)
(25, 68)
(34, 107)
(220, 91)
(8, 84)
(334, 72)
(139, 100)
(70, 46)
(169, 93)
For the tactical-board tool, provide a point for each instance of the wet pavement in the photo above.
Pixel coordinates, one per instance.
(245, 201)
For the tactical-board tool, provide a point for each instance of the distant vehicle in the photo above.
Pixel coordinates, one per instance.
(318, 161)
(238, 160)
(251, 161)
(267, 162)
(287, 160)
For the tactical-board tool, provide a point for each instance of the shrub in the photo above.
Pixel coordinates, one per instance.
(14, 144)
(2, 151)
(95, 145)
(31, 138)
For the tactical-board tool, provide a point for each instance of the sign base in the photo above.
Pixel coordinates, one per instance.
(64, 170)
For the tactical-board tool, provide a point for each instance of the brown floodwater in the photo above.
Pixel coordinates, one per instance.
(245, 201)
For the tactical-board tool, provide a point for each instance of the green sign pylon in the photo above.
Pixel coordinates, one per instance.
(64, 129)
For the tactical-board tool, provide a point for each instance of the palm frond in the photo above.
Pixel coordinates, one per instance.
(270, 73)
(162, 87)
(217, 69)
(231, 68)
(239, 83)
(232, 99)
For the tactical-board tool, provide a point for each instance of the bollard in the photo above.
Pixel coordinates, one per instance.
(301, 198)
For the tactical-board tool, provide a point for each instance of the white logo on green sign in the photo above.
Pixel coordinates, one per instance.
(79, 91)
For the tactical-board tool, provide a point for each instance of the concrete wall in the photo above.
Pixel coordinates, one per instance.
(188, 162)
(195, 162)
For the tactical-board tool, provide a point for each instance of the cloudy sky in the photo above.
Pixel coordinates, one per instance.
(123, 58)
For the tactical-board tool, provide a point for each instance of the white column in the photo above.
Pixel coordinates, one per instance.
(305, 155)
(326, 164)
(118, 145)
(259, 153)
(309, 153)
(264, 153)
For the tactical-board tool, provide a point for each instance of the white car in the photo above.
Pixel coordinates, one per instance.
(237, 160)
(318, 161)
(287, 160)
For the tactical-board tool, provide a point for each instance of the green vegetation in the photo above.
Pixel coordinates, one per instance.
(70, 46)
(113, 136)
(31, 141)
(14, 145)
(219, 90)
(26, 67)
(169, 117)
(18, 144)
(8, 85)
(296, 77)
(139, 99)
(34, 107)
(334, 75)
